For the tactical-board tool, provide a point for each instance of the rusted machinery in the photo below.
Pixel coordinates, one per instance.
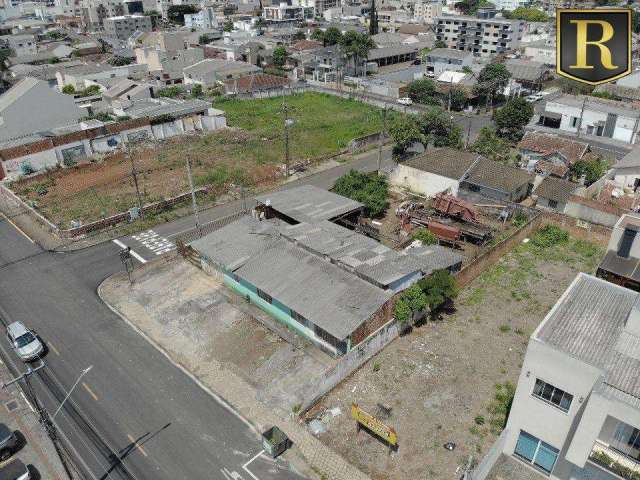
(450, 206)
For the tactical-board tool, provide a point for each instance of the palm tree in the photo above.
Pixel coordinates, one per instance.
(356, 46)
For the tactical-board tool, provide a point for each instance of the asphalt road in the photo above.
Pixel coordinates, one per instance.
(134, 415)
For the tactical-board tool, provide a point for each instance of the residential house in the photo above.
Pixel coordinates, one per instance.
(22, 45)
(80, 75)
(440, 60)
(576, 410)
(325, 282)
(621, 263)
(498, 181)
(126, 90)
(284, 12)
(592, 117)
(526, 76)
(435, 171)
(393, 54)
(166, 66)
(211, 72)
(554, 193)
(427, 10)
(626, 172)
(542, 51)
(32, 106)
(386, 39)
(255, 83)
(482, 36)
(205, 19)
(549, 154)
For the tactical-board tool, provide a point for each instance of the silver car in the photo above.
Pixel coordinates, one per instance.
(26, 344)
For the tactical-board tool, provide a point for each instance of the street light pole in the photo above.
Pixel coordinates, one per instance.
(82, 374)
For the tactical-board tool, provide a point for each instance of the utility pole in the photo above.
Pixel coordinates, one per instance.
(193, 192)
(381, 138)
(287, 123)
(466, 144)
(82, 374)
(134, 174)
(581, 114)
(30, 371)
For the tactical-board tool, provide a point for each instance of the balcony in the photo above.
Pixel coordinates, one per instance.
(614, 461)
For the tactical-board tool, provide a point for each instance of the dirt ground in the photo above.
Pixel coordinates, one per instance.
(206, 323)
(450, 380)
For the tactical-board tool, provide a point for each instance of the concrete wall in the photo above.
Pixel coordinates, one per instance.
(626, 177)
(423, 183)
(591, 215)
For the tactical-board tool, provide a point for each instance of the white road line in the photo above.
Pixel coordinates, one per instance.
(27, 401)
(137, 445)
(244, 467)
(133, 254)
(17, 228)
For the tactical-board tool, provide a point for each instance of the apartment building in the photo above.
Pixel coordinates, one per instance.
(124, 26)
(592, 117)
(482, 36)
(427, 11)
(576, 410)
(287, 13)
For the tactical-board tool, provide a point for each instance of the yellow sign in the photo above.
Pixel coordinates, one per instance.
(373, 424)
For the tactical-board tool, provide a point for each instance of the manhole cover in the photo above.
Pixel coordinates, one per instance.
(11, 406)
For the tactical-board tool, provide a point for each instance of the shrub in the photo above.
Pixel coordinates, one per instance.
(370, 189)
(26, 168)
(402, 312)
(504, 328)
(69, 89)
(549, 235)
(69, 162)
(171, 92)
(519, 219)
(425, 236)
(376, 366)
(479, 420)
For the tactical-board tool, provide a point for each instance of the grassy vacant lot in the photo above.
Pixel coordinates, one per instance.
(452, 379)
(250, 154)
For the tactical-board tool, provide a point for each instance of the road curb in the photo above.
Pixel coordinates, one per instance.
(221, 400)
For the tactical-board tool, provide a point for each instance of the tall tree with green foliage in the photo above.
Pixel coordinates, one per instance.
(176, 13)
(490, 145)
(423, 91)
(492, 78)
(437, 127)
(404, 131)
(280, 56)
(592, 169)
(439, 288)
(299, 35)
(440, 44)
(528, 14)
(373, 19)
(458, 99)
(370, 189)
(356, 46)
(511, 119)
(227, 26)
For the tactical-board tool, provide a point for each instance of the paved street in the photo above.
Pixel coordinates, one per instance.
(134, 415)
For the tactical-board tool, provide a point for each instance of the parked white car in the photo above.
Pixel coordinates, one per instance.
(534, 97)
(25, 343)
(405, 101)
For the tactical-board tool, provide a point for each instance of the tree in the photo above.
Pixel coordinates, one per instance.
(423, 91)
(490, 145)
(438, 127)
(170, 92)
(120, 61)
(402, 312)
(425, 236)
(458, 99)
(299, 35)
(410, 305)
(176, 13)
(228, 26)
(332, 36)
(280, 56)
(512, 118)
(371, 190)
(69, 89)
(404, 131)
(356, 45)
(373, 19)
(592, 169)
(204, 39)
(196, 90)
(439, 288)
(440, 44)
(318, 35)
(528, 14)
(492, 79)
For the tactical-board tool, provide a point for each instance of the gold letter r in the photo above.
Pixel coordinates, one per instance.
(582, 43)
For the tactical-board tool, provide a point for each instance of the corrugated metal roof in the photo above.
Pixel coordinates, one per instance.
(588, 322)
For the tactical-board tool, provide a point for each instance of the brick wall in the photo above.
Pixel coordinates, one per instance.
(598, 234)
(377, 320)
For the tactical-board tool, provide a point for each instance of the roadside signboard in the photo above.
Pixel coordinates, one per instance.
(374, 425)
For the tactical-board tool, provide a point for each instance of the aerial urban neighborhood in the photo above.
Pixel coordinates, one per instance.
(319, 239)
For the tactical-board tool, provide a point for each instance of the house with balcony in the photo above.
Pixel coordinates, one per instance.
(576, 410)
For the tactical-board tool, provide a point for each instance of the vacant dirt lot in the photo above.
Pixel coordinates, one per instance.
(451, 379)
(250, 154)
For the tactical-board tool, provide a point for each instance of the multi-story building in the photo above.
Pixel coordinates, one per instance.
(124, 26)
(205, 19)
(94, 12)
(550, 5)
(576, 410)
(427, 11)
(509, 5)
(287, 13)
(592, 117)
(482, 36)
(319, 6)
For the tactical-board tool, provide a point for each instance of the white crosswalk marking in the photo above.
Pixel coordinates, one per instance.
(154, 242)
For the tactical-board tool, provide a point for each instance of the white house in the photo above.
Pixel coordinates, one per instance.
(626, 173)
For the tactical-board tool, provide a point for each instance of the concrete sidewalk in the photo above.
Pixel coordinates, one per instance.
(37, 450)
(219, 380)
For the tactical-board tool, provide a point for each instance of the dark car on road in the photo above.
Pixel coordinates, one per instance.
(9, 443)
(14, 470)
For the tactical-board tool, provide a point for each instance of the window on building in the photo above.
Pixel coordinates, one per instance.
(265, 296)
(553, 204)
(299, 318)
(551, 394)
(535, 451)
(326, 336)
(626, 440)
(624, 248)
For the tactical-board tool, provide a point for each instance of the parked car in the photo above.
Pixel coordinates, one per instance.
(15, 470)
(8, 442)
(534, 97)
(26, 344)
(405, 101)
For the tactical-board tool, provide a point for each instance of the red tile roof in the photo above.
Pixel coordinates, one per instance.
(548, 144)
(253, 83)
